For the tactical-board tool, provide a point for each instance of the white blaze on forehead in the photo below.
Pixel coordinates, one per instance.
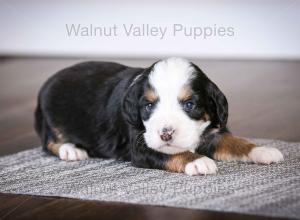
(170, 75)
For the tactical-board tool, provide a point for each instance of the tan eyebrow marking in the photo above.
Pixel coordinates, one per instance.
(185, 93)
(151, 95)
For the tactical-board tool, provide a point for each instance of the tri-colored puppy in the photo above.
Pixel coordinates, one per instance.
(169, 116)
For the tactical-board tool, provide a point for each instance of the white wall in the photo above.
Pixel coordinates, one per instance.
(262, 29)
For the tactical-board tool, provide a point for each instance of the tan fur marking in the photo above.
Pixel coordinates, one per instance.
(185, 93)
(151, 95)
(54, 148)
(231, 148)
(177, 162)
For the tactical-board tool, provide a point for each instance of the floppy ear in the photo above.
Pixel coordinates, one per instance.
(217, 104)
(130, 104)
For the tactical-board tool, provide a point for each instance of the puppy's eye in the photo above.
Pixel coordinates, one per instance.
(189, 105)
(149, 107)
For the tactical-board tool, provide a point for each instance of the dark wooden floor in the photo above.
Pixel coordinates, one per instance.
(264, 102)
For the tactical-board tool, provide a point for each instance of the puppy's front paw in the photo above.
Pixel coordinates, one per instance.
(69, 152)
(265, 155)
(203, 165)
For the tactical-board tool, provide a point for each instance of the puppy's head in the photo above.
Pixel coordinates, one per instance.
(174, 102)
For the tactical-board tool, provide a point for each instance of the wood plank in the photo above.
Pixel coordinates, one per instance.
(38, 207)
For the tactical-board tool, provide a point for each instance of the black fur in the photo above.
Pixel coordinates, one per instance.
(99, 106)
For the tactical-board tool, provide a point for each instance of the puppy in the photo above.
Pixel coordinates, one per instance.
(169, 116)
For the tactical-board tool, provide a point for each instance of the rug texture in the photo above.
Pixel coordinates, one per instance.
(271, 190)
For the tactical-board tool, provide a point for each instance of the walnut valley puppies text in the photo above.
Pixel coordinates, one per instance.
(149, 30)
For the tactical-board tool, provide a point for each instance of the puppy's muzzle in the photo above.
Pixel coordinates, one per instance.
(167, 134)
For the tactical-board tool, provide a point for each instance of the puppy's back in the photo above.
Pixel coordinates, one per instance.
(72, 103)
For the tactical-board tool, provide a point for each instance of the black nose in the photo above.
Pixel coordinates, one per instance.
(167, 133)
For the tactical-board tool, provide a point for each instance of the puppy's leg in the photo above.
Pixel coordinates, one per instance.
(186, 162)
(191, 164)
(67, 151)
(231, 148)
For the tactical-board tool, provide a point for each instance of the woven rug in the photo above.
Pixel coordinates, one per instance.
(270, 190)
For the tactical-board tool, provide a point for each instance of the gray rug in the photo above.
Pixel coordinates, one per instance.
(238, 187)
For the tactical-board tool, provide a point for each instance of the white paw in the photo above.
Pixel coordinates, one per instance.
(203, 165)
(69, 152)
(265, 155)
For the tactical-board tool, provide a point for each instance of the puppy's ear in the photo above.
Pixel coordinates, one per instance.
(130, 103)
(217, 104)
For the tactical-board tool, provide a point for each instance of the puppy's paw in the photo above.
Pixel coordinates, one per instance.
(69, 152)
(265, 155)
(203, 165)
